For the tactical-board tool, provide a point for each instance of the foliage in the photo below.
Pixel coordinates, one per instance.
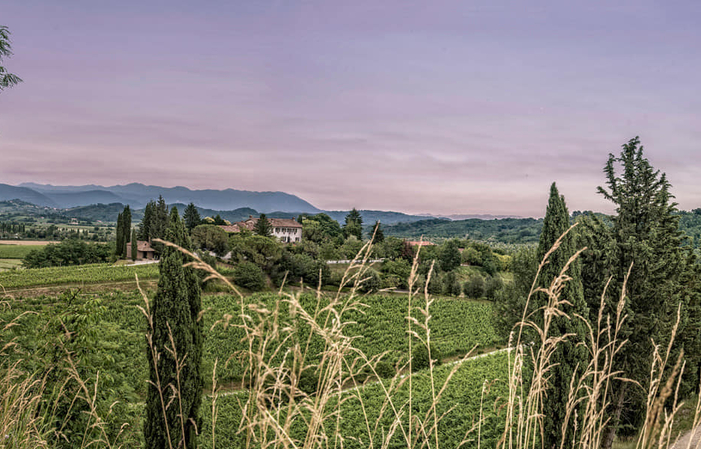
(68, 252)
(262, 226)
(474, 287)
(353, 225)
(7, 79)
(505, 230)
(211, 238)
(450, 257)
(570, 358)
(320, 227)
(492, 286)
(249, 276)
(421, 359)
(645, 236)
(376, 234)
(175, 339)
(451, 285)
(263, 251)
(191, 217)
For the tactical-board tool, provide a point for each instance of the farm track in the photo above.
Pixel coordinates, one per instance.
(237, 387)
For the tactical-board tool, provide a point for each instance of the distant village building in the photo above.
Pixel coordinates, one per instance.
(143, 251)
(286, 229)
(415, 243)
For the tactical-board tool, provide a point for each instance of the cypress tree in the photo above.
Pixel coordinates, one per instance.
(126, 229)
(569, 359)
(354, 225)
(134, 247)
(119, 236)
(645, 233)
(377, 232)
(192, 217)
(146, 221)
(177, 304)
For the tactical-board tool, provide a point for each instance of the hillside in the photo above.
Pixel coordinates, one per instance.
(506, 230)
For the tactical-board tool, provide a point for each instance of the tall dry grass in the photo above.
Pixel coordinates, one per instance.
(279, 412)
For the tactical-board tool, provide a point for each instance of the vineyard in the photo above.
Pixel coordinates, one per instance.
(109, 331)
(82, 274)
(460, 409)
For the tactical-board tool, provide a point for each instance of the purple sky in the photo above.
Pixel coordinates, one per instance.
(416, 106)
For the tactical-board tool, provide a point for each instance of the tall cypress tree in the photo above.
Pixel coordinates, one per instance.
(126, 229)
(645, 233)
(192, 217)
(146, 221)
(262, 226)
(119, 236)
(569, 359)
(177, 304)
(134, 246)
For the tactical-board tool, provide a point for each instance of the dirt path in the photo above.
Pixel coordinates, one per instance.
(693, 436)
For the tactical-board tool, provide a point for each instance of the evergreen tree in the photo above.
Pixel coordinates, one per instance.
(146, 221)
(354, 225)
(450, 257)
(192, 217)
(7, 79)
(126, 229)
(377, 232)
(263, 227)
(134, 246)
(177, 305)
(119, 236)
(646, 235)
(569, 359)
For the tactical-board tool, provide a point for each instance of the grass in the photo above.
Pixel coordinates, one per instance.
(9, 264)
(17, 251)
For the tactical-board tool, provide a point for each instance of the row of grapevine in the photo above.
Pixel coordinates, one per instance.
(88, 274)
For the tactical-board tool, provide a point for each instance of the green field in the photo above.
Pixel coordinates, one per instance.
(110, 339)
(9, 264)
(16, 251)
(80, 274)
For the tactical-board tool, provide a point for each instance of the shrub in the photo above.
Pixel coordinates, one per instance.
(492, 286)
(419, 358)
(249, 275)
(474, 287)
(385, 370)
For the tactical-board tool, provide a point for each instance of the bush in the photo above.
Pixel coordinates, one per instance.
(419, 358)
(249, 275)
(474, 287)
(385, 370)
(372, 282)
(451, 285)
(492, 286)
(435, 286)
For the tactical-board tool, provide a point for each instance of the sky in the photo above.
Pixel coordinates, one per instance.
(443, 107)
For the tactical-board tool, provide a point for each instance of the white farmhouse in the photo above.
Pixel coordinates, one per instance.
(286, 229)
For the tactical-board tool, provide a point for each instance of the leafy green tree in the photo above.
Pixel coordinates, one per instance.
(474, 287)
(379, 236)
(191, 217)
(492, 286)
(7, 79)
(570, 358)
(510, 301)
(262, 227)
(211, 238)
(354, 225)
(177, 331)
(450, 257)
(645, 235)
(319, 227)
(451, 285)
(249, 275)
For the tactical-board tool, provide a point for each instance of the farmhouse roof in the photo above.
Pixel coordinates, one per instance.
(250, 224)
(142, 245)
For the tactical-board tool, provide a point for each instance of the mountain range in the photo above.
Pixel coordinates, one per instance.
(137, 195)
